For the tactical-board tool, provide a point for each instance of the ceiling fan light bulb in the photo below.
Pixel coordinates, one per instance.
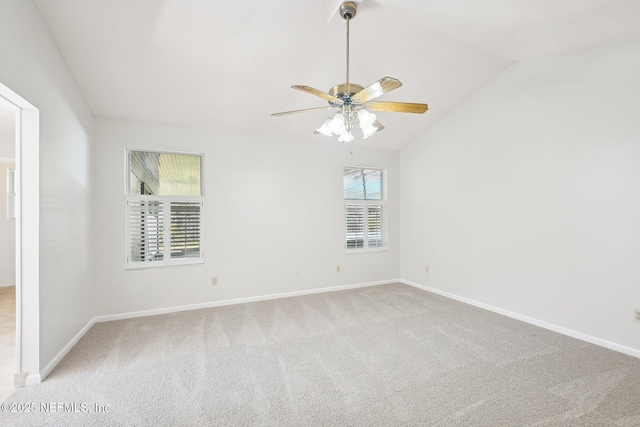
(366, 118)
(339, 130)
(336, 124)
(324, 129)
(346, 137)
(368, 131)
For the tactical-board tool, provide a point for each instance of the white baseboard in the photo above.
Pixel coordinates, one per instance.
(44, 372)
(541, 323)
(36, 379)
(33, 379)
(20, 380)
(175, 309)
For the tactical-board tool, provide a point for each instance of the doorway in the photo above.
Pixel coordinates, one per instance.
(21, 193)
(8, 196)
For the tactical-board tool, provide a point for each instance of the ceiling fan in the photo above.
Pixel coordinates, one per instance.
(352, 103)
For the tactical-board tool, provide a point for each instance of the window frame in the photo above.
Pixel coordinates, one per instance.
(382, 202)
(167, 261)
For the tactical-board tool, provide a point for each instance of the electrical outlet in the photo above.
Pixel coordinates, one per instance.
(337, 269)
(426, 268)
(636, 315)
(214, 281)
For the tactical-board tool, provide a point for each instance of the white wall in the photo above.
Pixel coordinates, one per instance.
(33, 67)
(7, 142)
(527, 196)
(7, 226)
(270, 207)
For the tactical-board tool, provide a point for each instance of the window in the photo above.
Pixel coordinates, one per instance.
(164, 209)
(364, 207)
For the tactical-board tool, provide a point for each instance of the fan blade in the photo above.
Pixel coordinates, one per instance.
(285, 113)
(398, 107)
(319, 93)
(382, 86)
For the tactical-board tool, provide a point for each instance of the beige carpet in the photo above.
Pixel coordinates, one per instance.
(388, 355)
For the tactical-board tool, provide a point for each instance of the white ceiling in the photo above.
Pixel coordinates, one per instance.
(229, 64)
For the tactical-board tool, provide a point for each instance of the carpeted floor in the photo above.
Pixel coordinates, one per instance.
(388, 355)
(7, 340)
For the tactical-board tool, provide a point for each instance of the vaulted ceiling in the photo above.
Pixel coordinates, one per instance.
(230, 64)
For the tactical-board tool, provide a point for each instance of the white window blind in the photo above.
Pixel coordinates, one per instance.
(364, 209)
(146, 230)
(164, 209)
(355, 226)
(185, 229)
(375, 225)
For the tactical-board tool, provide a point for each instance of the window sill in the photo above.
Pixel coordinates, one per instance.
(365, 250)
(161, 264)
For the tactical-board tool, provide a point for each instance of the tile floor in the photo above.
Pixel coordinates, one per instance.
(7, 340)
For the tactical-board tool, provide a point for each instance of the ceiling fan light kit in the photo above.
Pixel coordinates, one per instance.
(352, 103)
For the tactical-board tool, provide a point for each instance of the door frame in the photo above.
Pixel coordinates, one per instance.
(27, 155)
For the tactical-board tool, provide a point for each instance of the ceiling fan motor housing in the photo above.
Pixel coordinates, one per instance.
(345, 91)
